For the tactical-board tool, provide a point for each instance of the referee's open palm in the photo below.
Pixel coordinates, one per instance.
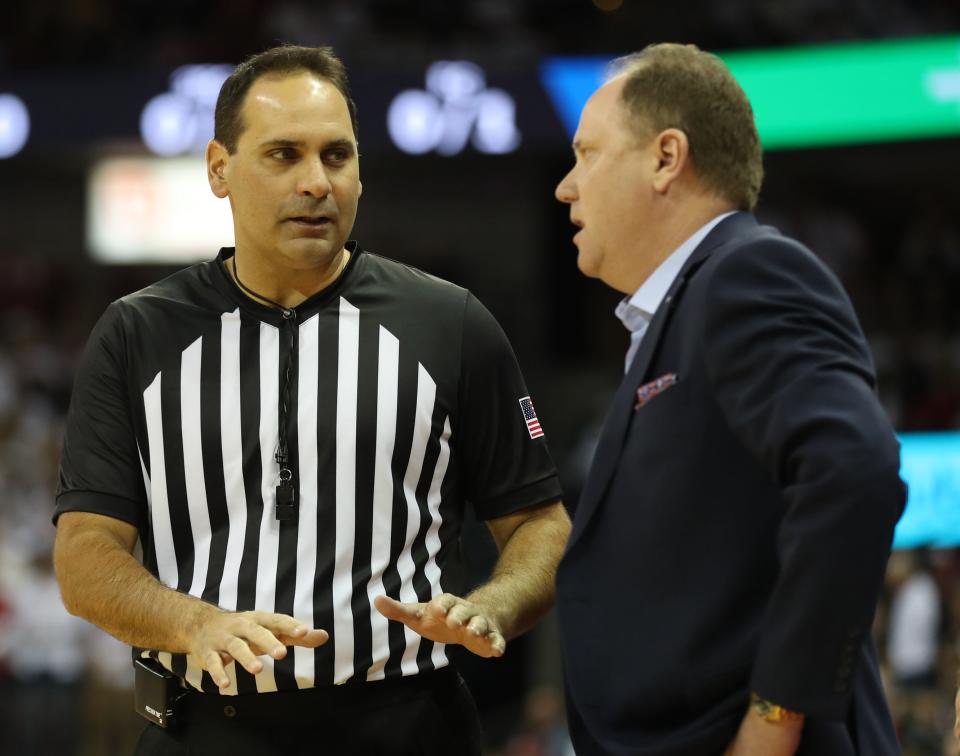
(448, 619)
(243, 636)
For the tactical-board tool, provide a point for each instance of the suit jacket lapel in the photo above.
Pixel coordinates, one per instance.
(620, 415)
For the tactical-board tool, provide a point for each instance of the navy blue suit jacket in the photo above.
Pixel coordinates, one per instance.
(733, 532)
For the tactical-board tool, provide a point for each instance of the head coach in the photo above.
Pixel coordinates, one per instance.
(292, 432)
(728, 549)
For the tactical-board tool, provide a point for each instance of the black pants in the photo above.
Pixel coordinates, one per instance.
(432, 714)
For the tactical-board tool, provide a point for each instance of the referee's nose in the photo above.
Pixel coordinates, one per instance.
(312, 180)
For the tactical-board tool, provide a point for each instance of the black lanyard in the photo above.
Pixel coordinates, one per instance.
(286, 493)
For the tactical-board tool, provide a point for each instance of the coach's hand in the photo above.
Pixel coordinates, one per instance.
(449, 619)
(222, 637)
(758, 737)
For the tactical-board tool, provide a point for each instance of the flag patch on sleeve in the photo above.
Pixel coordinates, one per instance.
(530, 417)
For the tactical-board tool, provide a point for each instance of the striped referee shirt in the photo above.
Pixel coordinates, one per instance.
(400, 401)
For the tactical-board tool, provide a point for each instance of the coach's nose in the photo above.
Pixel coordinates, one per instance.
(566, 190)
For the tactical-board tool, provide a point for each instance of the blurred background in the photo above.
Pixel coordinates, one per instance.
(466, 115)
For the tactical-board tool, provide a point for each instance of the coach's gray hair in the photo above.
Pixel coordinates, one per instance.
(683, 87)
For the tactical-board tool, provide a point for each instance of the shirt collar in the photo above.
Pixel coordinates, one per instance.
(223, 281)
(635, 312)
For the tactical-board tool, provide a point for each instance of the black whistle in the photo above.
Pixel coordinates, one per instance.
(286, 502)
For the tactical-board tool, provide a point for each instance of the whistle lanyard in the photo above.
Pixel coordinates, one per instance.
(286, 492)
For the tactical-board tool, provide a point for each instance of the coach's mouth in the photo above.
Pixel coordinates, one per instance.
(579, 224)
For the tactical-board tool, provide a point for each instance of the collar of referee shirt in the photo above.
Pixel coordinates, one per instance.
(273, 314)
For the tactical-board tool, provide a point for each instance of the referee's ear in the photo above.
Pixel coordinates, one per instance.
(217, 157)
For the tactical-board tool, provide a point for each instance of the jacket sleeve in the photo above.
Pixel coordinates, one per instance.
(792, 374)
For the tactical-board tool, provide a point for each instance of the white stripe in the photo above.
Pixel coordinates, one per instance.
(193, 475)
(231, 444)
(165, 658)
(426, 394)
(387, 380)
(348, 354)
(160, 508)
(432, 541)
(268, 548)
(303, 658)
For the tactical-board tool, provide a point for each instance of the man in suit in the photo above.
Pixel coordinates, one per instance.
(718, 588)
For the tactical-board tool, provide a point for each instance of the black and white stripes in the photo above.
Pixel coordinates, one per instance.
(400, 397)
(370, 449)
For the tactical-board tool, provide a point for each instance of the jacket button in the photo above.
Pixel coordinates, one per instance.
(229, 711)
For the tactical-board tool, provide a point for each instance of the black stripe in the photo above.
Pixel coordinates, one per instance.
(450, 558)
(406, 413)
(143, 443)
(170, 403)
(365, 473)
(250, 438)
(212, 450)
(328, 336)
(139, 412)
(211, 447)
(287, 555)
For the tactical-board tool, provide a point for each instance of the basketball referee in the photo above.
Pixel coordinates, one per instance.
(292, 432)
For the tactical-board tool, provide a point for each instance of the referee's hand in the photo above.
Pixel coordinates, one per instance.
(243, 636)
(448, 619)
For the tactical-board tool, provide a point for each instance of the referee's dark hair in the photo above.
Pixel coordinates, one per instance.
(277, 61)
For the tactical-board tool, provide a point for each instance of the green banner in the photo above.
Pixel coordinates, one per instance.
(852, 93)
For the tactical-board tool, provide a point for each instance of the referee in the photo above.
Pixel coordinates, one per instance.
(292, 432)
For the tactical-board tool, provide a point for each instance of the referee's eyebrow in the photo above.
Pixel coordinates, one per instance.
(342, 144)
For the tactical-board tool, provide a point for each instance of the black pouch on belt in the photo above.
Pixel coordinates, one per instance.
(156, 693)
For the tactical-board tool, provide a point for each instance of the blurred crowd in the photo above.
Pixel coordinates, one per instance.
(917, 627)
(113, 32)
(904, 292)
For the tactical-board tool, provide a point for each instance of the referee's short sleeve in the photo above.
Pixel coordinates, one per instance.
(100, 466)
(503, 468)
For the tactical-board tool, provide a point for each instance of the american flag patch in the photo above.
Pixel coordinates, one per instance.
(530, 416)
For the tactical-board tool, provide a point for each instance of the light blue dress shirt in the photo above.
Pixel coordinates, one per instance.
(637, 311)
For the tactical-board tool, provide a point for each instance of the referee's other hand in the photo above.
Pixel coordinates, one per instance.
(448, 619)
(243, 636)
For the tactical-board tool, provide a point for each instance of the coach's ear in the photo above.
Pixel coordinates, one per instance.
(672, 150)
(217, 160)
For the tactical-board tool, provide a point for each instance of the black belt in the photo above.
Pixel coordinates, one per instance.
(280, 705)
